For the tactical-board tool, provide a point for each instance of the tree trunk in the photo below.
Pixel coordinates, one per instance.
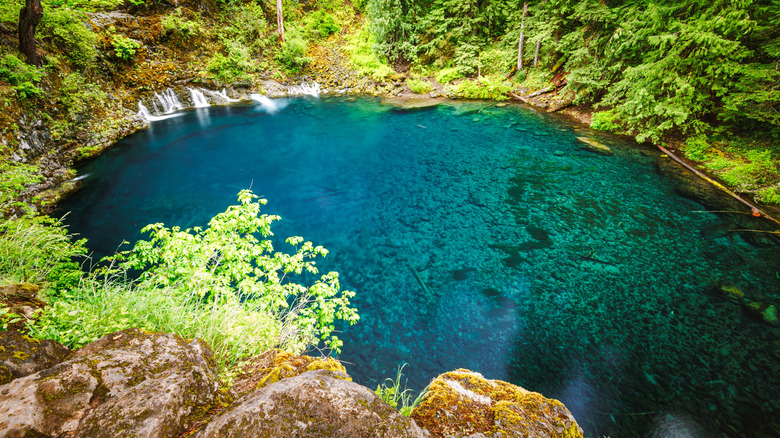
(536, 55)
(522, 37)
(29, 18)
(280, 19)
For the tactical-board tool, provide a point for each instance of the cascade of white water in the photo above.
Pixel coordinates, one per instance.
(312, 89)
(199, 99)
(144, 112)
(267, 104)
(224, 94)
(169, 101)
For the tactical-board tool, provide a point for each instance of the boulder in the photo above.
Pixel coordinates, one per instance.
(275, 365)
(595, 147)
(21, 355)
(462, 403)
(22, 300)
(320, 403)
(126, 384)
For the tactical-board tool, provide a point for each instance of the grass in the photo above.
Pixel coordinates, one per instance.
(397, 395)
(419, 86)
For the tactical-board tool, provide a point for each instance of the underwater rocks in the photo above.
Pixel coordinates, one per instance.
(128, 383)
(764, 312)
(595, 147)
(462, 403)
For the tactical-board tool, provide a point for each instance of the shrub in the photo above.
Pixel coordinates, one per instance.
(447, 75)
(292, 55)
(604, 121)
(124, 48)
(21, 76)
(177, 24)
(233, 67)
(486, 87)
(696, 148)
(321, 24)
(68, 29)
(419, 86)
(467, 59)
(80, 97)
(364, 59)
(220, 283)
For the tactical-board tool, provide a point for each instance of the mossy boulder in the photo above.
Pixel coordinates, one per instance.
(462, 403)
(320, 403)
(21, 355)
(129, 383)
(21, 300)
(275, 365)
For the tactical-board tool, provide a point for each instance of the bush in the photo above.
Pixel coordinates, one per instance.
(321, 24)
(486, 87)
(177, 24)
(218, 283)
(292, 55)
(448, 75)
(233, 67)
(604, 121)
(364, 59)
(696, 148)
(80, 98)
(124, 48)
(21, 76)
(467, 59)
(419, 86)
(69, 31)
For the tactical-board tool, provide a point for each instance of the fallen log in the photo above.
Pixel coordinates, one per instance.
(757, 212)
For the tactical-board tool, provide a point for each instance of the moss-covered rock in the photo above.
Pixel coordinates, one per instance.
(275, 365)
(462, 403)
(21, 355)
(319, 403)
(129, 383)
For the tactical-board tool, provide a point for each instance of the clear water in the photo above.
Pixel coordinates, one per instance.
(580, 276)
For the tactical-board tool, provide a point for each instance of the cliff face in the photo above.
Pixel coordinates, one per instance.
(134, 383)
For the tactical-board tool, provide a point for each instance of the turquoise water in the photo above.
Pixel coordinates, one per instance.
(484, 238)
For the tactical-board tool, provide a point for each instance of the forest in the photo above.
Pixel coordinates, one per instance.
(701, 78)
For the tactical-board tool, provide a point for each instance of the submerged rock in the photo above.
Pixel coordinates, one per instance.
(728, 291)
(595, 147)
(21, 355)
(462, 403)
(319, 403)
(129, 383)
(764, 312)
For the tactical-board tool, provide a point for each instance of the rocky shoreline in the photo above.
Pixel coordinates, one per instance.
(134, 383)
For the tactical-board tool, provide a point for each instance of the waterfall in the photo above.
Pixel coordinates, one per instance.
(312, 89)
(224, 94)
(144, 112)
(168, 100)
(267, 104)
(198, 99)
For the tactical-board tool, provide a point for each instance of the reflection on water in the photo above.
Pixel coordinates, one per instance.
(484, 238)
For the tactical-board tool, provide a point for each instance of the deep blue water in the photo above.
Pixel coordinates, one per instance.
(581, 276)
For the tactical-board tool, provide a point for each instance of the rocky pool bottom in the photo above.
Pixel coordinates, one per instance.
(490, 239)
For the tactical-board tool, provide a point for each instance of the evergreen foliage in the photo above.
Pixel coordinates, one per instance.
(664, 68)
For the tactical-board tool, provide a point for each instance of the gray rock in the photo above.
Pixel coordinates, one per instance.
(319, 403)
(127, 384)
(21, 355)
